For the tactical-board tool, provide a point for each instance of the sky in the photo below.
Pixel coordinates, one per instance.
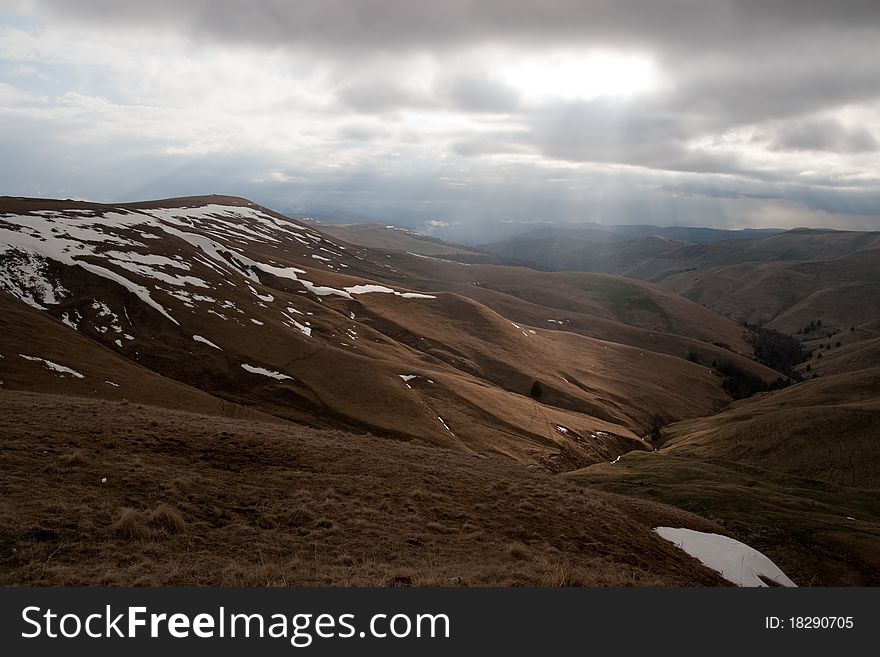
(453, 117)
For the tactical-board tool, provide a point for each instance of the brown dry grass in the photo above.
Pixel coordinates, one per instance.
(825, 429)
(199, 500)
(793, 473)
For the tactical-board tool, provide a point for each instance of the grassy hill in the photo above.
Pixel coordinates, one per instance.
(793, 473)
(119, 493)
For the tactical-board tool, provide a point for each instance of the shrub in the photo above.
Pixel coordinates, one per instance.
(131, 524)
(167, 518)
(537, 390)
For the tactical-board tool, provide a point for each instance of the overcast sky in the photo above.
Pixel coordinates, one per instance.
(725, 113)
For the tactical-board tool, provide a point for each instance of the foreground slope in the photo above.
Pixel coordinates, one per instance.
(177, 498)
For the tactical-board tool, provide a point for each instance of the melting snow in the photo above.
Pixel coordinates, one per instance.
(408, 377)
(262, 370)
(306, 330)
(735, 561)
(24, 276)
(199, 338)
(366, 289)
(262, 297)
(55, 367)
(74, 324)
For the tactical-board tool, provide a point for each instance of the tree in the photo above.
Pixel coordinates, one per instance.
(537, 390)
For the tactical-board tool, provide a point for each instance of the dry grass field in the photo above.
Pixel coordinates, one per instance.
(116, 493)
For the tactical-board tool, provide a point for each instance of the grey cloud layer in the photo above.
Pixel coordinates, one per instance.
(752, 90)
(717, 25)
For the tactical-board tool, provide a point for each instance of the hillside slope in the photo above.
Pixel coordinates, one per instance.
(165, 497)
(256, 309)
(793, 473)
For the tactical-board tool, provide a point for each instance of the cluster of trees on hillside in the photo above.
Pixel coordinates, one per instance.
(812, 327)
(740, 384)
(779, 351)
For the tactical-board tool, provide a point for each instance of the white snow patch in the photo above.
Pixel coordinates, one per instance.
(366, 289)
(24, 275)
(306, 330)
(735, 561)
(199, 338)
(408, 377)
(55, 367)
(445, 425)
(138, 290)
(74, 324)
(146, 259)
(262, 297)
(115, 385)
(263, 371)
(323, 291)
(256, 321)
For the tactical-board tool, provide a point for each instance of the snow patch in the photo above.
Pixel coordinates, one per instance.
(264, 372)
(366, 289)
(55, 367)
(199, 338)
(735, 561)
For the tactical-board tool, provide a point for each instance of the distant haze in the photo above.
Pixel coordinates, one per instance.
(452, 117)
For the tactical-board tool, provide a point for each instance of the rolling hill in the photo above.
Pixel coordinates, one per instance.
(793, 473)
(239, 376)
(783, 280)
(256, 309)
